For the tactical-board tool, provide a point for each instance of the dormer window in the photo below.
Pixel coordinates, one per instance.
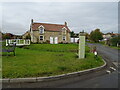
(64, 30)
(41, 29)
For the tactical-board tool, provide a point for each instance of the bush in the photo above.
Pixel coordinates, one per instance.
(60, 42)
(115, 40)
(46, 42)
(28, 36)
(63, 43)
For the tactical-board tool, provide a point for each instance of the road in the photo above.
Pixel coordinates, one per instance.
(99, 79)
(102, 81)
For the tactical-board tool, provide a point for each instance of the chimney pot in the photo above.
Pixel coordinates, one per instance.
(65, 23)
(31, 21)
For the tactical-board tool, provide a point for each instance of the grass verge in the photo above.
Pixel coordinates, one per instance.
(39, 60)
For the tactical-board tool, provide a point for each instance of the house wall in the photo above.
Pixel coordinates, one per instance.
(35, 36)
(107, 36)
(26, 34)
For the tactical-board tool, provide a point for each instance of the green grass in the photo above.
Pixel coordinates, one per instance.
(39, 60)
(115, 47)
(53, 47)
(103, 43)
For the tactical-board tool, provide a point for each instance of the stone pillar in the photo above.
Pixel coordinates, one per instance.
(81, 52)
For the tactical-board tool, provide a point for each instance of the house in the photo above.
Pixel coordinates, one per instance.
(52, 33)
(115, 34)
(26, 35)
(74, 38)
(107, 36)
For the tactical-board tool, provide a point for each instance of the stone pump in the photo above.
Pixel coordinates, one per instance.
(81, 50)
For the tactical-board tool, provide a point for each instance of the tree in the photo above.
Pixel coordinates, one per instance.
(96, 35)
(72, 34)
(87, 36)
(7, 36)
(28, 36)
(115, 40)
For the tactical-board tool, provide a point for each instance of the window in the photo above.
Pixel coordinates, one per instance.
(41, 30)
(64, 38)
(64, 30)
(41, 37)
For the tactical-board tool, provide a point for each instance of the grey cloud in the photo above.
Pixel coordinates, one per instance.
(87, 16)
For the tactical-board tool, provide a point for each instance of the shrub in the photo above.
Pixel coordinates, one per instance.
(115, 40)
(46, 42)
(60, 42)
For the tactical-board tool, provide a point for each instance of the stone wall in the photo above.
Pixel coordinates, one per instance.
(35, 36)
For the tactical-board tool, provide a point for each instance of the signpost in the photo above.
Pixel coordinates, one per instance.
(81, 50)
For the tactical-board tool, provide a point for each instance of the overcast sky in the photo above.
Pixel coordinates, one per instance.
(87, 16)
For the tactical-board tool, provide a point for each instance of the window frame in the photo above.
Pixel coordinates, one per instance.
(41, 28)
(64, 38)
(42, 38)
(64, 30)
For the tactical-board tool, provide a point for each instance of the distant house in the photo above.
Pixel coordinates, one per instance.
(10, 36)
(52, 33)
(107, 36)
(74, 38)
(26, 34)
(115, 34)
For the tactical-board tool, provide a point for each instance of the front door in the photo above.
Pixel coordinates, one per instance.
(56, 40)
(53, 40)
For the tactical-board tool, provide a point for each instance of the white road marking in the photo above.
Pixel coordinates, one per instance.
(108, 71)
(113, 68)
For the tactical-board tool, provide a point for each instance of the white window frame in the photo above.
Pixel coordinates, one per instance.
(64, 37)
(64, 29)
(42, 36)
(40, 29)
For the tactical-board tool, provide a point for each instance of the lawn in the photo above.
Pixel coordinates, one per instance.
(39, 60)
(103, 43)
(115, 47)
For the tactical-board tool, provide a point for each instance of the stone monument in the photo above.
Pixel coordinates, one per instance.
(81, 51)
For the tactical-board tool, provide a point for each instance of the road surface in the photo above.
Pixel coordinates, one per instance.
(102, 81)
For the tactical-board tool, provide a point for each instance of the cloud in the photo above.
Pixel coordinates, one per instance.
(80, 16)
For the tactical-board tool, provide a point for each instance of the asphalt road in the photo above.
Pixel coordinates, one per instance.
(111, 53)
(99, 79)
(103, 81)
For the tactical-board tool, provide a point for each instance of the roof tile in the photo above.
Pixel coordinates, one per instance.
(49, 27)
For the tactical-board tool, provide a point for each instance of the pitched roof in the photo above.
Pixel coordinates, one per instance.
(49, 27)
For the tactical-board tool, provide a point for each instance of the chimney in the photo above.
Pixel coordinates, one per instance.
(31, 21)
(65, 23)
